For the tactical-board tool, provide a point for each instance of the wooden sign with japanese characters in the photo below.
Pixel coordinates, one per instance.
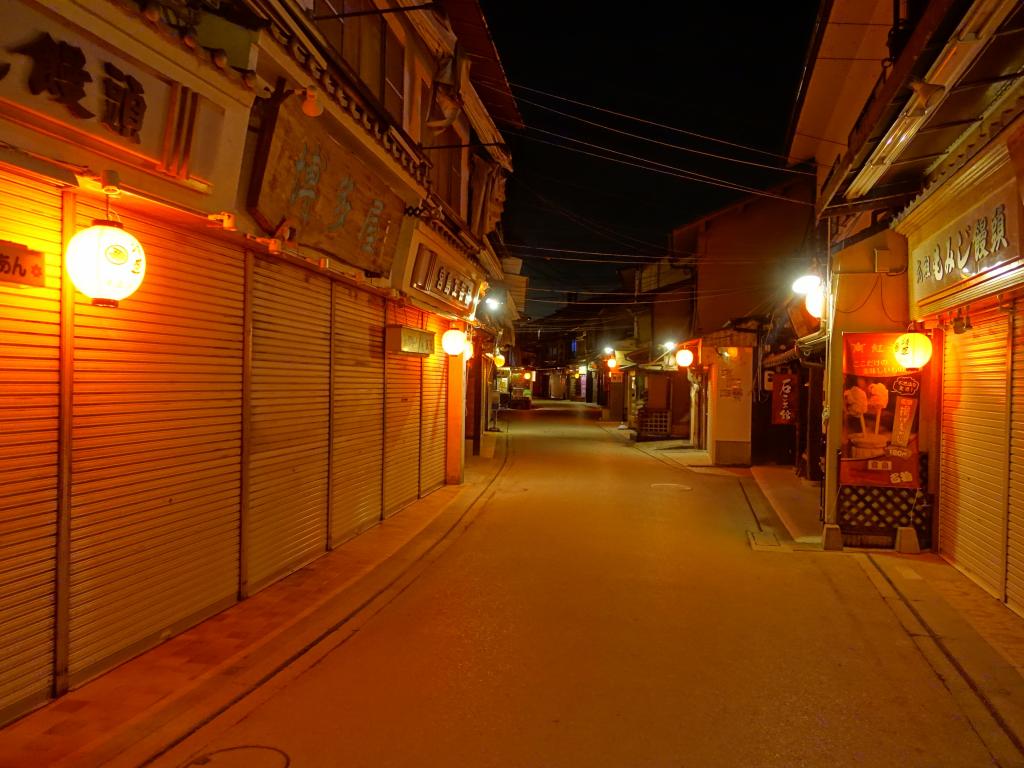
(316, 192)
(976, 242)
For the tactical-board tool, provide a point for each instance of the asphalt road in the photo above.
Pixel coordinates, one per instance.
(605, 608)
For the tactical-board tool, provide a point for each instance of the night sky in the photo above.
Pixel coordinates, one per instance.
(706, 68)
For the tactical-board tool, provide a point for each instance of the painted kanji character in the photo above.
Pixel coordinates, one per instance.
(59, 69)
(308, 167)
(980, 238)
(999, 229)
(125, 105)
(343, 207)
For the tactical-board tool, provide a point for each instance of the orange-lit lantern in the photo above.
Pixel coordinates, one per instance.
(912, 350)
(684, 358)
(612, 362)
(499, 359)
(527, 376)
(453, 342)
(105, 263)
(814, 302)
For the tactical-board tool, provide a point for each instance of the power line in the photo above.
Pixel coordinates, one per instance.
(649, 122)
(666, 143)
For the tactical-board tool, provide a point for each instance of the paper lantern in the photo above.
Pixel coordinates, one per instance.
(581, 370)
(527, 376)
(684, 358)
(912, 351)
(105, 263)
(612, 362)
(499, 359)
(453, 342)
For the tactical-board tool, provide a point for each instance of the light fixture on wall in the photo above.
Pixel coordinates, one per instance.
(499, 359)
(612, 363)
(312, 105)
(814, 301)
(806, 283)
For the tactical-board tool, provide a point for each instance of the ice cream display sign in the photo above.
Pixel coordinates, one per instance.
(879, 427)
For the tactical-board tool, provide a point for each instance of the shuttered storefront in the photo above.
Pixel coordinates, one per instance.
(1015, 545)
(30, 214)
(433, 424)
(357, 442)
(289, 420)
(156, 447)
(402, 409)
(973, 453)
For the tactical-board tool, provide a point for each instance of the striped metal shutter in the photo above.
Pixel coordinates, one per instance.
(357, 442)
(402, 419)
(973, 455)
(288, 451)
(156, 447)
(434, 421)
(1015, 544)
(30, 214)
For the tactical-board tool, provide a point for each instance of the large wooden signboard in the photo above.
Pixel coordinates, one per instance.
(310, 188)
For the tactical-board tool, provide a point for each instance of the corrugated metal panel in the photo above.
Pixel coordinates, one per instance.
(973, 464)
(288, 466)
(30, 214)
(357, 448)
(434, 420)
(1015, 544)
(156, 447)
(402, 419)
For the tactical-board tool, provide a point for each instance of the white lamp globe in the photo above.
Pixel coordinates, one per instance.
(105, 263)
(453, 342)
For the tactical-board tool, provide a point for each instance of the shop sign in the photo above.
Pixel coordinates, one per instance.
(20, 265)
(311, 189)
(434, 275)
(978, 241)
(408, 341)
(880, 409)
(785, 398)
(87, 94)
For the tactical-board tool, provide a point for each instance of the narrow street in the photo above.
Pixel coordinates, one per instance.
(599, 607)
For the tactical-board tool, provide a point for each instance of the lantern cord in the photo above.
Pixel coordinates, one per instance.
(108, 208)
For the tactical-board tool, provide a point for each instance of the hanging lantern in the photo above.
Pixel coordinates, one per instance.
(684, 358)
(527, 376)
(105, 263)
(913, 351)
(814, 302)
(453, 342)
(581, 370)
(499, 360)
(612, 362)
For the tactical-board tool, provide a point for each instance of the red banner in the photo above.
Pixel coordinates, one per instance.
(879, 437)
(785, 398)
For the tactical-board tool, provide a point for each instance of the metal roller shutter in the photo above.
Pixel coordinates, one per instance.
(973, 460)
(156, 447)
(288, 451)
(30, 214)
(357, 442)
(1015, 544)
(402, 409)
(434, 421)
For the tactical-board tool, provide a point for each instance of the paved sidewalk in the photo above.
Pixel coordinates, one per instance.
(139, 709)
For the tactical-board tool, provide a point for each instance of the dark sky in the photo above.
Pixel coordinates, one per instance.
(725, 71)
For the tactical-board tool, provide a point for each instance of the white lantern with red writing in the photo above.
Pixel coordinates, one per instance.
(106, 263)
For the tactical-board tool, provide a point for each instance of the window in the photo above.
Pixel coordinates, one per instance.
(447, 173)
(394, 75)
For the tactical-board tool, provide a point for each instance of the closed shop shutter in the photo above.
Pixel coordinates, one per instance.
(30, 214)
(973, 460)
(288, 452)
(1015, 545)
(433, 425)
(402, 419)
(357, 447)
(156, 447)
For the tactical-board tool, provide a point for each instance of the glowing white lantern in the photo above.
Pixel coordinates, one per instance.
(499, 359)
(105, 263)
(912, 351)
(453, 342)
(806, 283)
(684, 358)
(814, 302)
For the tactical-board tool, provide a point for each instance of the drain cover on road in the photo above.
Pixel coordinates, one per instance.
(672, 486)
(762, 540)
